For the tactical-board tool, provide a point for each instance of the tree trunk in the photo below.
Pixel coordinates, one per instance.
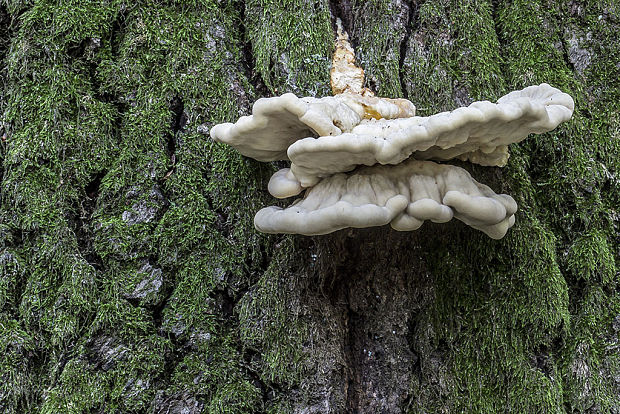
(131, 276)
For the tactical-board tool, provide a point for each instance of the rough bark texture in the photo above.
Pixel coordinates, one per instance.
(131, 279)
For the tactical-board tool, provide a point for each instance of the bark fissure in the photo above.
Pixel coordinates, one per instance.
(411, 26)
(268, 389)
(247, 57)
(352, 374)
(498, 32)
(84, 222)
(342, 9)
(565, 55)
(179, 120)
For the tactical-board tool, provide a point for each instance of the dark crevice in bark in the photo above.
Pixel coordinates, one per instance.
(247, 56)
(249, 356)
(20, 288)
(158, 310)
(498, 33)
(179, 120)
(92, 188)
(542, 361)
(6, 31)
(269, 390)
(172, 358)
(336, 258)
(565, 53)
(412, 326)
(341, 9)
(114, 39)
(177, 106)
(76, 50)
(177, 124)
(60, 366)
(411, 26)
(37, 365)
(11, 245)
(83, 221)
(221, 216)
(116, 33)
(352, 388)
(87, 50)
(374, 377)
(416, 370)
(225, 303)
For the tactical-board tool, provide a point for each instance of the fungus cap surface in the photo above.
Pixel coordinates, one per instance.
(404, 195)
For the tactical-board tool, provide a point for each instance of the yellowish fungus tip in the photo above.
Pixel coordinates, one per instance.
(346, 76)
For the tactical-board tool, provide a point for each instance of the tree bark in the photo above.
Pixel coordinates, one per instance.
(132, 279)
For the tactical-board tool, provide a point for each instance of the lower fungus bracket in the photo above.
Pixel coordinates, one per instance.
(403, 195)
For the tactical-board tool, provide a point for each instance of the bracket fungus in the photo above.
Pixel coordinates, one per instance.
(404, 195)
(363, 160)
(479, 133)
(278, 122)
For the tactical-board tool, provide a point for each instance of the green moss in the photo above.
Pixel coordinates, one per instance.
(206, 371)
(18, 350)
(81, 106)
(589, 362)
(12, 275)
(268, 321)
(492, 323)
(202, 244)
(124, 382)
(292, 42)
(378, 28)
(590, 259)
(511, 318)
(453, 57)
(54, 126)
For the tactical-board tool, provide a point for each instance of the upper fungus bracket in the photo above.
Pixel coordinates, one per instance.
(278, 122)
(478, 133)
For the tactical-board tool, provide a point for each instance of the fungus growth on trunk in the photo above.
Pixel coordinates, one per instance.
(363, 160)
(403, 195)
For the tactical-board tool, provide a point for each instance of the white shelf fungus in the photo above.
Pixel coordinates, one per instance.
(277, 122)
(479, 133)
(327, 137)
(283, 184)
(404, 195)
